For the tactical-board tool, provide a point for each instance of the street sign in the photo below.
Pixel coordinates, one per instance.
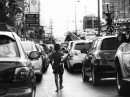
(32, 20)
(110, 28)
(32, 24)
(32, 16)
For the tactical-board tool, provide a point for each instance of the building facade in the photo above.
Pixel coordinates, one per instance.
(119, 9)
(90, 22)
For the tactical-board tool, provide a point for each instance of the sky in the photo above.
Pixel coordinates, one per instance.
(62, 14)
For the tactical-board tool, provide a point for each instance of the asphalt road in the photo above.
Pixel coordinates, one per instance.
(75, 87)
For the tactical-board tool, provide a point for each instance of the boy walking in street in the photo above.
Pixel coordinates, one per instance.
(57, 66)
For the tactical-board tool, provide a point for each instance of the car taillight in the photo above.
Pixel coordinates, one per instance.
(101, 57)
(21, 74)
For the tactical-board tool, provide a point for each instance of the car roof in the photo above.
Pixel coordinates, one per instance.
(27, 41)
(7, 33)
(105, 37)
(79, 41)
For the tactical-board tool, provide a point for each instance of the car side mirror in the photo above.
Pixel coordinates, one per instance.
(121, 38)
(34, 55)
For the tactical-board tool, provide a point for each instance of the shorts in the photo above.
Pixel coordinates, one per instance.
(58, 69)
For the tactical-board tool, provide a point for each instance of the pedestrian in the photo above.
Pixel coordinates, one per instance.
(57, 66)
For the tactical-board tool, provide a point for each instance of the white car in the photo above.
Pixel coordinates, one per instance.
(38, 63)
(45, 57)
(69, 45)
(74, 61)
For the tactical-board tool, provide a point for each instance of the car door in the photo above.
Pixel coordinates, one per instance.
(126, 58)
(89, 62)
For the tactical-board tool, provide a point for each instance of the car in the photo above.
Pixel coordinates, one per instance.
(47, 51)
(45, 57)
(38, 63)
(122, 65)
(99, 60)
(74, 60)
(17, 77)
(51, 47)
(69, 45)
(45, 48)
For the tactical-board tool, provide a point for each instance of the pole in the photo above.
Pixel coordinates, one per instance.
(99, 18)
(75, 20)
(51, 29)
(67, 26)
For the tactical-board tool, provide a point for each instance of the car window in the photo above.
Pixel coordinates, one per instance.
(71, 45)
(37, 47)
(28, 46)
(42, 48)
(45, 47)
(92, 45)
(95, 45)
(110, 44)
(80, 46)
(8, 47)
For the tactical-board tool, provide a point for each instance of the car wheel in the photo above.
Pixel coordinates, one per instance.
(65, 65)
(84, 77)
(95, 78)
(33, 92)
(39, 77)
(71, 69)
(44, 66)
(121, 88)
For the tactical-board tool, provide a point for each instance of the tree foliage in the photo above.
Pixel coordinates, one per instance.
(8, 11)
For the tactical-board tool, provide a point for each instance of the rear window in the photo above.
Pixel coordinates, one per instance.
(110, 44)
(8, 47)
(28, 46)
(80, 46)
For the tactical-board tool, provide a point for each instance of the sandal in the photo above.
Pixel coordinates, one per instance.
(56, 91)
(61, 87)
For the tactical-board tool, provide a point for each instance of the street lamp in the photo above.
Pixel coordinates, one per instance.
(75, 19)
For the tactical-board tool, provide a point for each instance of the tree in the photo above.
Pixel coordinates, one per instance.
(8, 11)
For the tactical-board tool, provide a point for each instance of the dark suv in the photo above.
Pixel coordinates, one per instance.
(99, 61)
(17, 76)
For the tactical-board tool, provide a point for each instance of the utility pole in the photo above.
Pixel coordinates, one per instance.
(75, 19)
(99, 18)
(51, 30)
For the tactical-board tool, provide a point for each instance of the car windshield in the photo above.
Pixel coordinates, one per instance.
(80, 46)
(8, 47)
(28, 46)
(110, 44)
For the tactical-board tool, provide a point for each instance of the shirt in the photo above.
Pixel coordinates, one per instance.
(56, 58)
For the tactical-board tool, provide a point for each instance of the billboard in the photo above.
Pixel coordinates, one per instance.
(32, 6)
